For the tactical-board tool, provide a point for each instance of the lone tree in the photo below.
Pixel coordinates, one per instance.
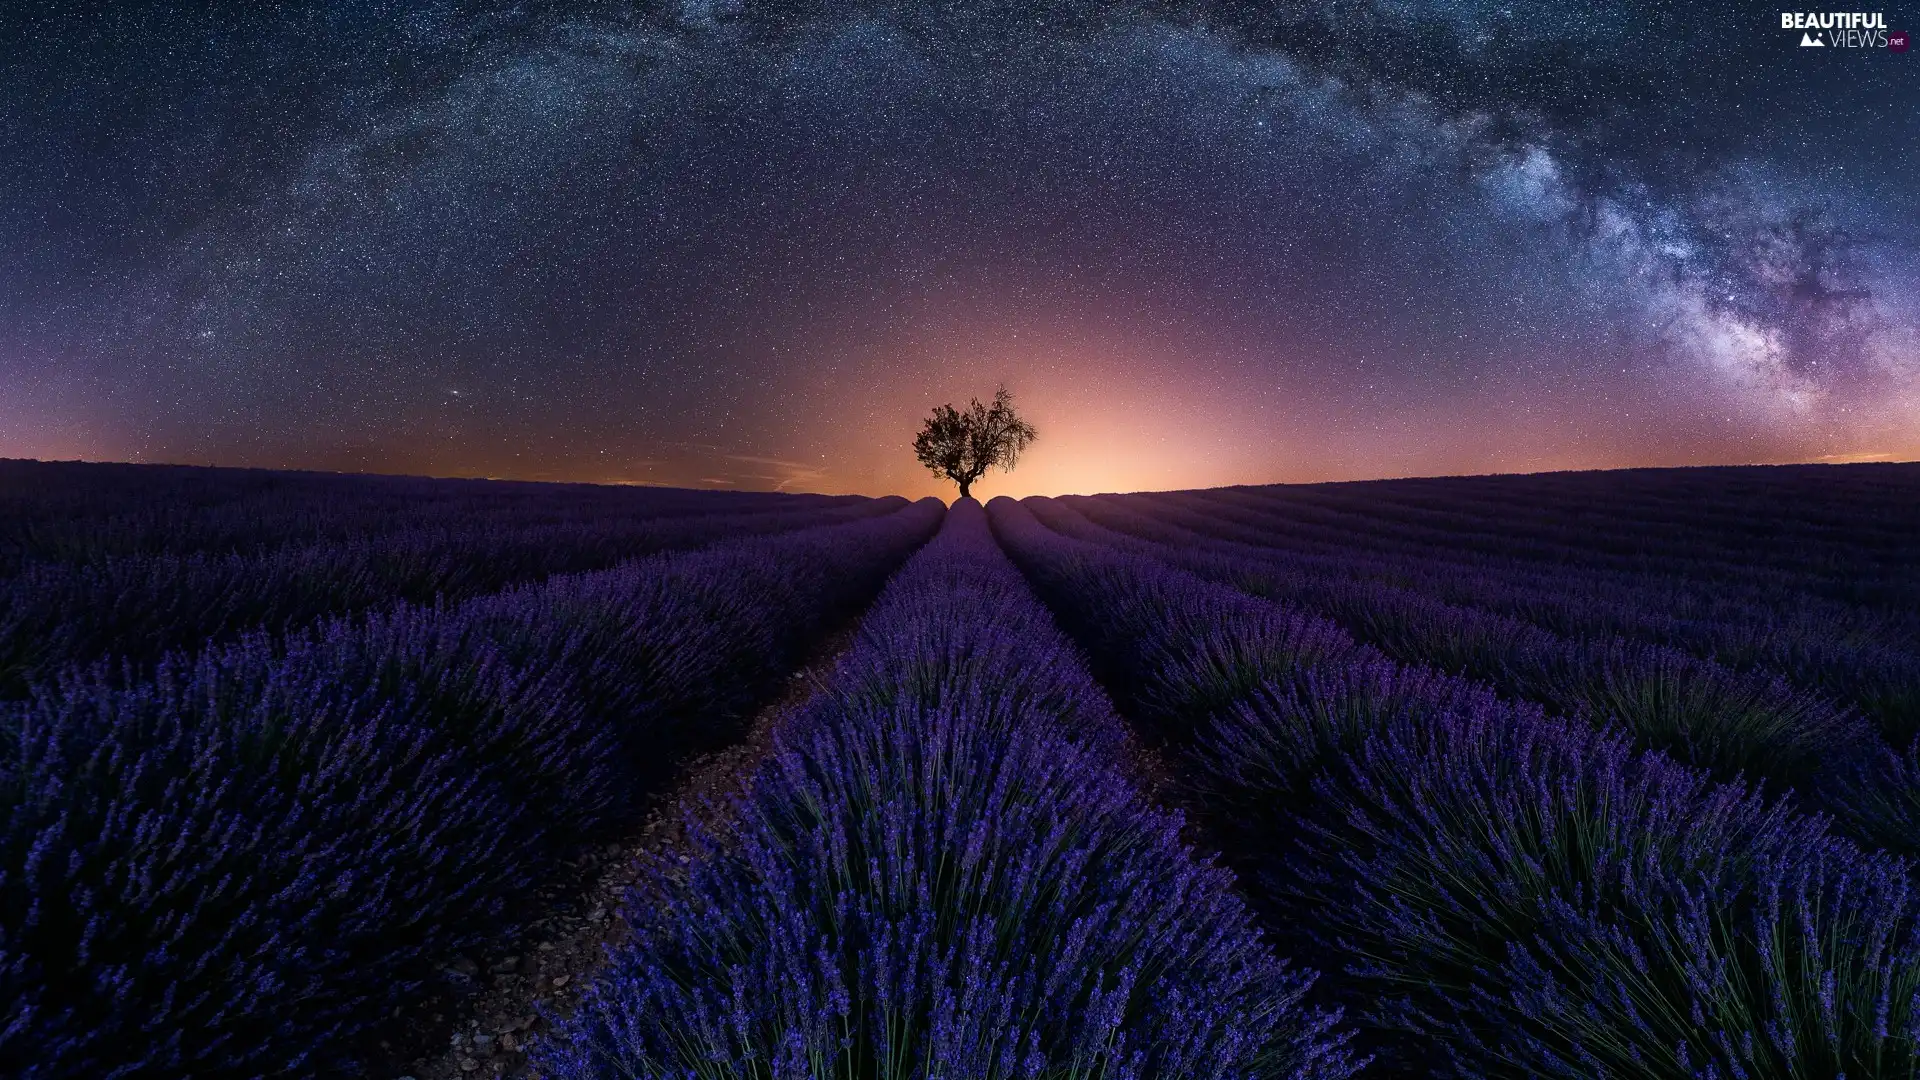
(962, 446)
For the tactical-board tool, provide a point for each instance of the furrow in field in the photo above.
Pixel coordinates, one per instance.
(947, 870)
(1495, 892)
(1706, 715)
(244, 864)
(72, 512)
(1848, 655)
(135, 610)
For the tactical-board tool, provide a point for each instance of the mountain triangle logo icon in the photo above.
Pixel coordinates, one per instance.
(1809, 39)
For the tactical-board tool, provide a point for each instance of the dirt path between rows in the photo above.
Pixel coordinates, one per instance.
(485, 1031)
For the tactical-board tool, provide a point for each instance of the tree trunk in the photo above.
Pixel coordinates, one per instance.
(966, 486)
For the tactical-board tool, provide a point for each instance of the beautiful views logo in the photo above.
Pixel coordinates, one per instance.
(1844, 29)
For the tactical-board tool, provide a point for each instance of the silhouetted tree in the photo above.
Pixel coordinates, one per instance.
(963, 445)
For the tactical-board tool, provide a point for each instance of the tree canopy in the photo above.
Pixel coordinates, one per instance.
(962, 444)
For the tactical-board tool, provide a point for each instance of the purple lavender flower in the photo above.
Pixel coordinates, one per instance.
(241, 864)
(944, 871)
(1500, 893)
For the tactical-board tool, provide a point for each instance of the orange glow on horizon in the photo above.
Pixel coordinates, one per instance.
(1120, 406)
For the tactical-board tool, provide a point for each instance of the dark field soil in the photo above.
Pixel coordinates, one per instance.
(498, 1004)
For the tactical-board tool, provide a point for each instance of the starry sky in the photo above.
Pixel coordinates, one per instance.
(751, 245)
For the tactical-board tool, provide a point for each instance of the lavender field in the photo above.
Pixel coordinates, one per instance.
(1595, 775)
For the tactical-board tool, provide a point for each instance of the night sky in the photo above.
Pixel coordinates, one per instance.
(752, 245)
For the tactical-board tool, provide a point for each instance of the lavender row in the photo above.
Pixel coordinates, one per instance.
(1844, 655)
(244, 864)
(138, 608)
(944, 871)
(1868, 562)
(77, 512)
(1855, 512)
(1843, 504)
(1276, 523)
(1869, 657)
(1483, 537)
(1288, 523)
(1498, 893)
(1704, 714)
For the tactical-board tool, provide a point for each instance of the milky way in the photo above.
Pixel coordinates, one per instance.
(752, 245)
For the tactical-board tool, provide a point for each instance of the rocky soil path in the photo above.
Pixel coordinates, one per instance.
(483, 1025)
